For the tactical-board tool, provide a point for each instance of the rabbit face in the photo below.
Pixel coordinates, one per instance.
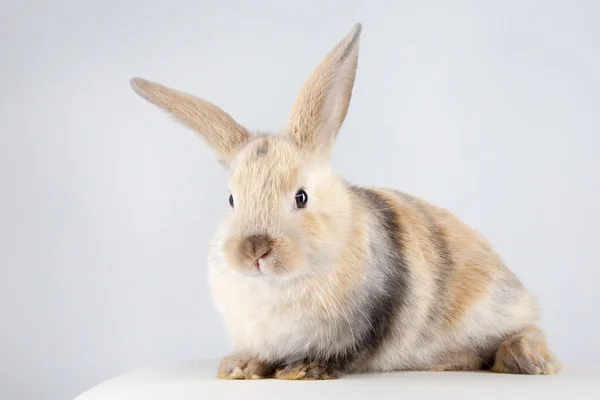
(281, 210)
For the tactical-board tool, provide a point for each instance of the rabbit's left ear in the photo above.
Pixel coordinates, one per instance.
(321, 106)
(222, 134)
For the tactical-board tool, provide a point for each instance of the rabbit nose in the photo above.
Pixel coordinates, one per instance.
(256, 246)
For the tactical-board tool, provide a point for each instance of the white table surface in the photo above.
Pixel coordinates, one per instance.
(197, 381)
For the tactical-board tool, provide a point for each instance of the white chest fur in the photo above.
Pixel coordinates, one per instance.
(279, 320)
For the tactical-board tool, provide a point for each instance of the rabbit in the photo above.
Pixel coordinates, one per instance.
(316, 278)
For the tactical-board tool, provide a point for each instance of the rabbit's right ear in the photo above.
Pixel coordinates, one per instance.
(223, 135)
(323, 101)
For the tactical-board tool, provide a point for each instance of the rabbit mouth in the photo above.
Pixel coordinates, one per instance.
(261, 265)
(267, 266)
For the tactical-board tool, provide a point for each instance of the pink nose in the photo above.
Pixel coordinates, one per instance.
(256, 246)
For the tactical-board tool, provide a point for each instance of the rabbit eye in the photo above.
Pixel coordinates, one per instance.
(231, 200)
(301, 198)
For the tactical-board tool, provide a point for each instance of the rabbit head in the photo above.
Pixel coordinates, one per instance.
(286, 206)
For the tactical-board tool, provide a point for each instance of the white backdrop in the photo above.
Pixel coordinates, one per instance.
(487, 108)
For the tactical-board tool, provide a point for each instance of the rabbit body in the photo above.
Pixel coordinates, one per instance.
(315, 277)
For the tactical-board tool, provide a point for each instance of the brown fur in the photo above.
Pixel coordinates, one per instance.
(473, 263)
(469, 284)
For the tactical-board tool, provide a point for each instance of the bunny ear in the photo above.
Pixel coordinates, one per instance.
(223, 135)
(322, 104)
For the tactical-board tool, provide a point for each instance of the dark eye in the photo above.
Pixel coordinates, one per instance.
(231, 200)
(301, 198)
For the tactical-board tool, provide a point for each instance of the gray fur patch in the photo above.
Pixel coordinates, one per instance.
(439, 312)
(262, 149)
(387, 297)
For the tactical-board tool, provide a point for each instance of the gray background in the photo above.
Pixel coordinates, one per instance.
(487, 108)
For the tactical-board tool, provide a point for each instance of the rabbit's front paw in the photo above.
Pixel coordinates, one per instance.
(243, 366)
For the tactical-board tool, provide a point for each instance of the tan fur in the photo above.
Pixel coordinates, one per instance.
(470, 283)
(322, 104)
(302, 299)
(473, 261)
(225, 136)
(457, 361)
(526, 353)
(305, 372)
